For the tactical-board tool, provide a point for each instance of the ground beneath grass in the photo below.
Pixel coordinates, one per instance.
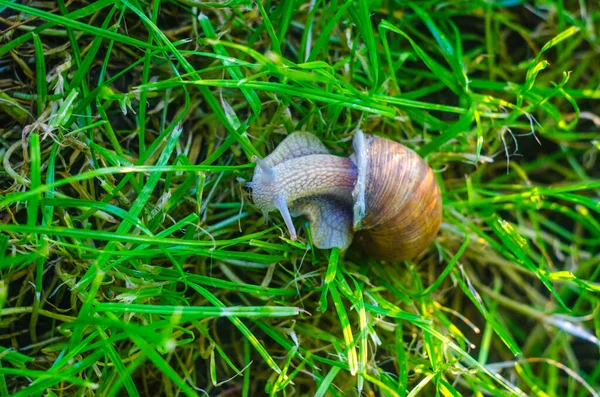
(133, 261)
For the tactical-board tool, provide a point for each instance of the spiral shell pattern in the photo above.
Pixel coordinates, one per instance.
(399, 212)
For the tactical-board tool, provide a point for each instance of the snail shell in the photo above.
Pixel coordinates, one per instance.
(398, 202)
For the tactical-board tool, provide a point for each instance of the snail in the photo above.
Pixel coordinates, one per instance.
(384, 193)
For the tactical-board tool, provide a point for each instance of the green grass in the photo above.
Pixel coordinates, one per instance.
(132, 261)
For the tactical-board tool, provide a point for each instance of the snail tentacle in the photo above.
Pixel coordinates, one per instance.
(282, 206)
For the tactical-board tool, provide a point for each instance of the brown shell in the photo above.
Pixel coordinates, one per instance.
(402, 201)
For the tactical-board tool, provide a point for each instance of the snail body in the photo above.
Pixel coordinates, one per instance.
(385, 194)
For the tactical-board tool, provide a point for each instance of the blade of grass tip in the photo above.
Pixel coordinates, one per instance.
(411, 103)
(490, 37)
(567, 275)
(65, 111)
(115, 388)
(439, 36)
(33, 203)
(11, 107)
(212, 368)
(3, 249)
(306, 41)
(3, 384)
(162, 365)
(14, 357)
(40, 74)
(143, 105)
(3, 293)
(326, 384)
(365, 27)
(234, 71)
(283, 340)
(204, 330)
(401, 360)
(109, 132)
(462, 125)
(385, 308)
(532, 74)
(488, 331)
(297, 370)
(536, 66)
(551, 43)
(48, 210)
(248, 368)
(283, 379)
(573, 103)
(461, 69)
(112, 159)
(469, 290)
(363, 348)
(387, 389)
(480, 130)
(309, 237)
(33, 207)
(122, 374)
(518, 246)
(86, 307)
(431, 346)
(287, 10)
(330, 273)
(440, 72)
(275, 44)
(180, 191)
(448, 389)
(346, 329)
(388, 57)
(448, 267)
(108, 54)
